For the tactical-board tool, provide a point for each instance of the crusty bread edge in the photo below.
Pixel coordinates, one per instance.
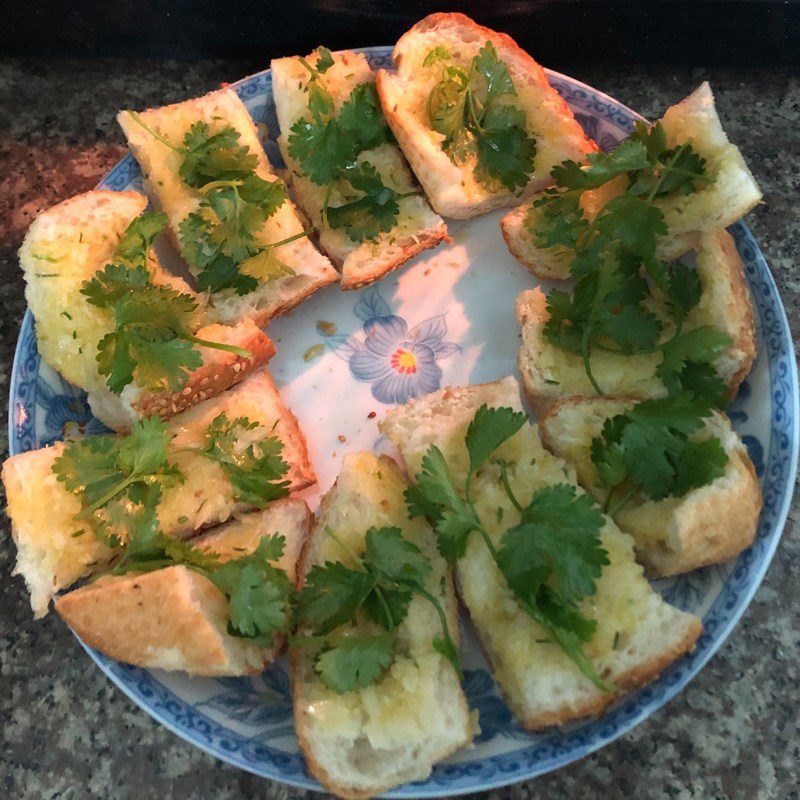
(425, 240)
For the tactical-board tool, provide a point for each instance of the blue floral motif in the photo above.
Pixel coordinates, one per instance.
(399, 362)
(67, 414)
(494, 716)
(596, 131)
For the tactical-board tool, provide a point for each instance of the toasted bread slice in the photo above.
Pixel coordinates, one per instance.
(637, 633)
(731, 193)
(453, 189)
(364, 742)
(548, 372)
(708, 525)
(160, 166)
(65, 246)
(177, 619)
(42, 511)
(418, 228)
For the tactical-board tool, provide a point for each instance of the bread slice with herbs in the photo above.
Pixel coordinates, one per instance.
(730, 192)
(707, 525)
(246, 277)
(530, 127)
(636, 633)
(72, 243)
(549, 372)
(399, 224)
(176, 617)
(56, 547)
(365, 741)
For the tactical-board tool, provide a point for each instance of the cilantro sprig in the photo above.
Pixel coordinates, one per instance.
(219, 239)
(649, 450)
(475, 111)
(378, 589)
(551, 559)
(258, 592)
(327, 144)
(617, 273)
(152, 344)
(120, 480)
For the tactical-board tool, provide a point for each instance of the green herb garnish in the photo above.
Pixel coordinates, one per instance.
(327, 145)
(475, 112)
(220, 236)
(550, 560)
(379, 587)
(648, 450)
(152, 343)
(613, 261)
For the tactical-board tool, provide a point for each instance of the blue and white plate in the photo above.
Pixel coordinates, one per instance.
(446, 318)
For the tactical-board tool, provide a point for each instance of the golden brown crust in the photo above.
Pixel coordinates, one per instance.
(219, 372)
(427, 241)
(740, 309)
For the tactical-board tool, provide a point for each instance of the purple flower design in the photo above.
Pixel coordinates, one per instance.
(399, 362)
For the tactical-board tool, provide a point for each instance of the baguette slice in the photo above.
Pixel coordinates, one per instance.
(64, 247)
(637, 634)
(548, 372)
(160, 166)
(708, 525)
(418, 228)
(43, 513)
(364, 742)
(732, 192)
(177, 619)
(453, 189)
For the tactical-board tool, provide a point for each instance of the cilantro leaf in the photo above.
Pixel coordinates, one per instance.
(361, 117)
(557, 539)
(602, 167)
(679, 369)
(489, 428)
(134, 246)
(632, 222)
(214, 157)
(332, 595)
(322, 148)
(356, 662)
(257, 592)
(394, 558)
(435, 54)
(324, 60)
(648, 449)
(255, 470)
(111, 473)
(473, 112)
(373, 213)
(151, 344)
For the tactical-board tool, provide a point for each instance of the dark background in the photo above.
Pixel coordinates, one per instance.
(566, 33)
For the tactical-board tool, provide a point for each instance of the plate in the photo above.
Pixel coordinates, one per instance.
(449, 313)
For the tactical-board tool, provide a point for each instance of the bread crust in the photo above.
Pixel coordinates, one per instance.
(220, 371)
(426, 165)
(174, 618)
(427, 240)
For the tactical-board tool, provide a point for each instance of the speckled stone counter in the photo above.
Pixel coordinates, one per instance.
(67, 732)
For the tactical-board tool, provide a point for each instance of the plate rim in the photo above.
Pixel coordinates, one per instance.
(445, 787)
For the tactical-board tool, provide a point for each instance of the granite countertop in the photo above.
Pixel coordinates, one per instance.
(67, 732)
